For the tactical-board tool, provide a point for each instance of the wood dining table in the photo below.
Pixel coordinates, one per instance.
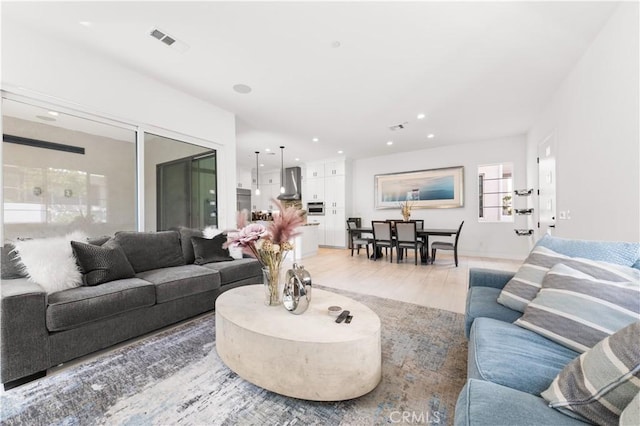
(424, 233)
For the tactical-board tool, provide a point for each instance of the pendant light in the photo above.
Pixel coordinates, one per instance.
(257, 174)
(282, 170)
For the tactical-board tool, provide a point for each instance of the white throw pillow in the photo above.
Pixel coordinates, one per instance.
(211, 231)
(50, 261)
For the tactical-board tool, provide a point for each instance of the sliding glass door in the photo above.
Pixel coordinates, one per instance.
(180, 184)
(63, 172)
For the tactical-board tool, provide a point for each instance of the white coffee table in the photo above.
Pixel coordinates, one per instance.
(305, 356)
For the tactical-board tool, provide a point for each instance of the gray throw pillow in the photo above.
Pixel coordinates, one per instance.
(210, 250)
(98, 241)
(600, 383)
(185, 241)
(151, 250)
(11, 267)
(101, 264)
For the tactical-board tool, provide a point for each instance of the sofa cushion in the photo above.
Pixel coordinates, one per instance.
(509, 355)
(239, 269)
(482, 302)
(81, 305)
(619, 252)
(151, 250)
(185, 242)
(577, 310)
(524, 286)
(11, 267)
(601, 382)
(488, 404)
(210, 250)
(101, 264)
(181, 281)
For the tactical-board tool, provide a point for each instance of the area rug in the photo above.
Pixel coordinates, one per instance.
(176, 377)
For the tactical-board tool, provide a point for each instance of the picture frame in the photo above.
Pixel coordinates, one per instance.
(425, 189)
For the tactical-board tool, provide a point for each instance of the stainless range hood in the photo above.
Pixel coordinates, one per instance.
(292, 184)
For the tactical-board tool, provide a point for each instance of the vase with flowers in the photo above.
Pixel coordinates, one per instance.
(405, 209)
(269, 245)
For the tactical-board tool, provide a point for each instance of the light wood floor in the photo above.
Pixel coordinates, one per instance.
(441, 285)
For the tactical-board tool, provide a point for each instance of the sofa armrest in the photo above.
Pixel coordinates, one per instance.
(489, 278)
(24, 339)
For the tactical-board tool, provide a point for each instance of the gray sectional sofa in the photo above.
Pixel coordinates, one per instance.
(41, 330)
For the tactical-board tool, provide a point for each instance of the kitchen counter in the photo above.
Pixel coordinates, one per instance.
(306, 244)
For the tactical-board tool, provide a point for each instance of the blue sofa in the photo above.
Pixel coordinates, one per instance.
(509, 366)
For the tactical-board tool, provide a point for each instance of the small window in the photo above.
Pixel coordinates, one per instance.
(495, 193)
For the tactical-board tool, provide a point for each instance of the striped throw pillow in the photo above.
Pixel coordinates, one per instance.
(526, 283)
(600, 383)
(577, 310)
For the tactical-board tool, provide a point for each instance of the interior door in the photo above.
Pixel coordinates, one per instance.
(547, 185)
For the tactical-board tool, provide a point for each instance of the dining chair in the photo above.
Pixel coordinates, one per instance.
(407, 238)
(382, 237)
(444, 245)
(356, 238)
(419, 223)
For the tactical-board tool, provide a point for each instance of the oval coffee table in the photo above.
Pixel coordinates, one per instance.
(306, 356)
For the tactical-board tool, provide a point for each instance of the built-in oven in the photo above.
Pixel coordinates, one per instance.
(315, 208)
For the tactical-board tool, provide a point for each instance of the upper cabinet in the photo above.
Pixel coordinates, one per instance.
(335, 168)
(314, 170)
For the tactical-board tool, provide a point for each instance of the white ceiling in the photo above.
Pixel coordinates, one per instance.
(478, 70)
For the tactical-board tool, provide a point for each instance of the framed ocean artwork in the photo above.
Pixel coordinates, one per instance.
(424, 189)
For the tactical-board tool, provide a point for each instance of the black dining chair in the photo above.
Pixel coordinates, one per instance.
(407, 238)
(357, 239)
(442, 245)
(382, 237)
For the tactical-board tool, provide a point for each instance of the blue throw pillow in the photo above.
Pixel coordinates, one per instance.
(619, 252)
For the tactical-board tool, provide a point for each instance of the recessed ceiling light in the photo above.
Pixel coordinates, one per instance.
(261, 165)
(341, 152)
(336, 44)
(242, 88)
(85, 23)
(268, 149)
(389, 142)
(54, 113)
(297, 159)
(421, 116)
(315, 139)
(431, 136)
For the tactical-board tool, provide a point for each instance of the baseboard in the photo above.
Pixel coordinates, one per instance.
(21, 381)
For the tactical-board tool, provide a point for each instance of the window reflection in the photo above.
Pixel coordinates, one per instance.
(49, 191)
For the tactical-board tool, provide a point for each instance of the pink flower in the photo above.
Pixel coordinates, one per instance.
(246, 236)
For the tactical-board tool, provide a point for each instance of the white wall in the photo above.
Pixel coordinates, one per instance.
(595, 118)
(477, 239)
(46, 68)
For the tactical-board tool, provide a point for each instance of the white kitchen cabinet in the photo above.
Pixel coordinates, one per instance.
(335, 197)
(335, 228)
(314, 189)
(334, 168)
(314, 170)
(321, 221)
(269, 189)
(327, 182)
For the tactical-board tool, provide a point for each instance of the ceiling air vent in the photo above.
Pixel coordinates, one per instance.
(170, 41)
(398, 126)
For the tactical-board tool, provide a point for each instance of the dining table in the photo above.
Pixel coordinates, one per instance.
(424, 233)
